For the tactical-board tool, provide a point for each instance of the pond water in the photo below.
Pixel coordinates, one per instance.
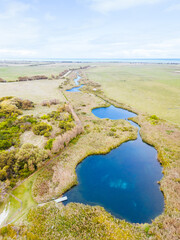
(113, 113)
(124, 181)
(76, 89)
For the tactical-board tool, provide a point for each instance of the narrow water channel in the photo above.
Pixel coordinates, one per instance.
(124, 181)
(76, 89)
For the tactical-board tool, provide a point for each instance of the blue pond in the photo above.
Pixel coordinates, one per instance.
(124, 181)
(76, 89)
(112, 113)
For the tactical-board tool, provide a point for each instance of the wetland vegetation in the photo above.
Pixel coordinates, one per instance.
(76, 134)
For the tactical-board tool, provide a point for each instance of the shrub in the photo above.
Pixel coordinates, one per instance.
(37, 77)
(45, 103)
(45, 117)
(5, 98)
(41, 128)
(29, 158)
(2, 80)
(8, 108)
(23, 104)
(9, 133)
(29, 119)
(49, 144)
(7, 161)
(66, 125)
(5, 144)
(154, 117)
(25, 127)
(54, 101)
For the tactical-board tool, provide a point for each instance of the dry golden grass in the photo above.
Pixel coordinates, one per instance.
(36, 91)
(30, 137)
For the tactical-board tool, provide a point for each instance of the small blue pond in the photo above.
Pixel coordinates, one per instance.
(124, 181)
(112, 113)
(76, 89)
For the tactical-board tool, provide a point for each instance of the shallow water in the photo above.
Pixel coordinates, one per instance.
(124, 181)
(113, 113)
(76, 80)
(76, 89)
(4, 214)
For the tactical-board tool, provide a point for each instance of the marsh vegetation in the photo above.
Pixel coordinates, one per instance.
(98, 136)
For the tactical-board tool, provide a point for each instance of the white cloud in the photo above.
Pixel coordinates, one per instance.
(17, 53)
(175, 7)
(113, 5)
(13, 8)
(49, 17)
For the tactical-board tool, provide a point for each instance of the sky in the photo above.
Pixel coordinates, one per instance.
(89, 29)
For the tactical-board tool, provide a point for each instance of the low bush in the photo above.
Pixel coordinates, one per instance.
(54, 101)
(49, 144)
(50, 102)
(66, 125)
(37, 77)
(41, 128)
(154, 117)
(29, 158)
(45, 117)
(17, 164)
(2, 80)
(23, 104)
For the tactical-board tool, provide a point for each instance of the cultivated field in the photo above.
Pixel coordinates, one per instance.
(152, 89)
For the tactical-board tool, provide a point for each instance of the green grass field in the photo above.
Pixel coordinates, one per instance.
(152, 89)
(11, 71)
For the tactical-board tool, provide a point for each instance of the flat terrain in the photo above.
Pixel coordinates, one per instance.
(149, 88)
(11, 71)
(36, 91)
(160, 83)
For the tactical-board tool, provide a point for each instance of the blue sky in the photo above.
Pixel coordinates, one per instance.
(89, 29)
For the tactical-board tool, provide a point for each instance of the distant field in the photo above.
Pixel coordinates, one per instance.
(152, 89)
(36, 91)
(11, 72)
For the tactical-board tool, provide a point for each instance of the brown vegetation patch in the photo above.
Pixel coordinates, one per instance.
(37, 77)
(2, 80)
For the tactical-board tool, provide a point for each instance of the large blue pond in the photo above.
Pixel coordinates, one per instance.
(124, 181)
(76, 89)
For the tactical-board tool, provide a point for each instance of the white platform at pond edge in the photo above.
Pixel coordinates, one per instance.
(61, 199)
